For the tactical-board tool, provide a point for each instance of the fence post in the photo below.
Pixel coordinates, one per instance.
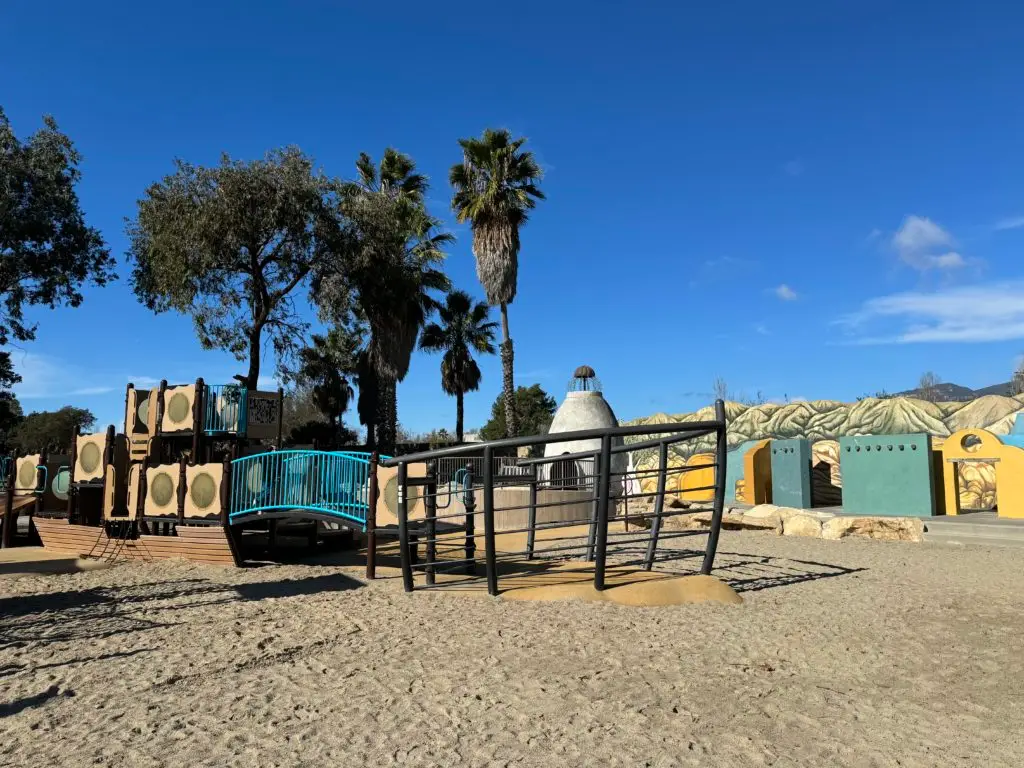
(595, 503)
(489, 544)
(719, 503)
(531, 524)
(8, 522)
(430, 504)
(371, 519)
(403, 527)
(601, 522)
(469, 501)
(659, 505)
(72, 517)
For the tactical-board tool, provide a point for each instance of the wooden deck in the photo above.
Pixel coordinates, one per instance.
(201, 544)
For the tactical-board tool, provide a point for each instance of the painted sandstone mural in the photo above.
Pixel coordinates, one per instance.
(824, 421)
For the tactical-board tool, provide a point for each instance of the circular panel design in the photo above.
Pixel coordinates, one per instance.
(178, 408)
(60, 484)
(27, 475)
(142, 412)
(391, 495)
(90, 457)
(203, 491)
(161, 490)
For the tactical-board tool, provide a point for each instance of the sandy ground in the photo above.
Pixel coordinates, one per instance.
(851, 653)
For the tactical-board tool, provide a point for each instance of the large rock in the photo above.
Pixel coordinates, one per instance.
(884, 528)
(801, 525)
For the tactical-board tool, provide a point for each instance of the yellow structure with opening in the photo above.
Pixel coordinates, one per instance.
(980, 445)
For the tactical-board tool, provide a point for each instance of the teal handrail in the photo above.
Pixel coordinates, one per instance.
(225, 410)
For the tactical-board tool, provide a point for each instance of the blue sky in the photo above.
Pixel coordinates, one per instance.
(813, 200)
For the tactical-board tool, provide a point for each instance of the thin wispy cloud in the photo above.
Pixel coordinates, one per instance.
(1013, 222)
(993, 312)
(785, 293)
(91, 391)
(793, 168)
(761, 329)
(924, 245)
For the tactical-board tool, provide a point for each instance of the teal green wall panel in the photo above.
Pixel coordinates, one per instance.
(734, 467)
(887, 475)
(791, 473)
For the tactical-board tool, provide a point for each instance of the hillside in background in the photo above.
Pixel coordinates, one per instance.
(830, 420)
(954, 392)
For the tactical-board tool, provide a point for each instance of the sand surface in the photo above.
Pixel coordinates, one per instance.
(850, 653)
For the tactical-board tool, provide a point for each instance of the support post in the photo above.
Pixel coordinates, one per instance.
(469, 502)
(181, 490)
(127, 400)
(659, 505)
(42, 476)
(403, 527)
(8, 523)
(719, 502)
(280, 416)
(161, 397)
(603, 492)
(71, 476)
(531, 523)
(430, 504)
(490, 552)
(371, 518)
(197, 420)
(592, 531)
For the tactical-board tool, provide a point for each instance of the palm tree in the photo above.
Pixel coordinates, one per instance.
(495, 187)
(398, 250)
(464, 328)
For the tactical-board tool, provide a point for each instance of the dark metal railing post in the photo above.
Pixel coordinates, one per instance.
(371, 518)
(603, 493)
(489, 544)
(430, 503)
(595, 482)
(469, 501)
(719, 503)
(659, 505)
(403, 526)
(531, 535)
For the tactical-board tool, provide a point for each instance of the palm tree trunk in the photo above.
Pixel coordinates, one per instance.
(509, 389)
(458, 417)
(387, 417)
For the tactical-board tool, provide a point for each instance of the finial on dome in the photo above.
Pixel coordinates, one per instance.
(584, 379)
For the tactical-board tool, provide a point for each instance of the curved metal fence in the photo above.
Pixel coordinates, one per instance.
(326, 483)
(224, 409)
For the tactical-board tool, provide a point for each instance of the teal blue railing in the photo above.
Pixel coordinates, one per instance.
(333, 483)
(224, 411)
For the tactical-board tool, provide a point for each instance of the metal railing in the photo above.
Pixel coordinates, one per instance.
(225, 409)
(598, 480)
(327, 484)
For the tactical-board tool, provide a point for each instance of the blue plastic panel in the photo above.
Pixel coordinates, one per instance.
(791, 473)
(887, 475)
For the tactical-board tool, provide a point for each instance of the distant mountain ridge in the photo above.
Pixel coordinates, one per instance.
(950, 392)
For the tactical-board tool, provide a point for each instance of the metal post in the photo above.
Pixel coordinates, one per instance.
(197, 420)
(659, 505)
(531, 523)
(280, 416)
(603, 492)
(719, 503)
(371, 519)
(181, 490)
(430, 503)
(403, 527)
(469, 501)
(8, 521)
(489, 544)
(71, 475)
(592, 533)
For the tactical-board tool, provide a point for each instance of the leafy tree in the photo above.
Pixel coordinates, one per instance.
(51, 430)
(232, 245)
(1017, 380)
(47, 252)
(535, 408)
(326, 365)
(10, 416)
(495, 187)
(391, 268)
(325, 436)
(464, 329)
(368, 403)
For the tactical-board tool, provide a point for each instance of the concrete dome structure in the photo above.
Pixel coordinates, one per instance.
(584, 407)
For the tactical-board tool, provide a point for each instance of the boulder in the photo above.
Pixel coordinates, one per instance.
(884, 528)
(801, 525)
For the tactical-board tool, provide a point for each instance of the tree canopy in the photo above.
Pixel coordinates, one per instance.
(327, 365)
(535, 408)
(47, 251)
(231, 246)
(51, 430)
(10, 416)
